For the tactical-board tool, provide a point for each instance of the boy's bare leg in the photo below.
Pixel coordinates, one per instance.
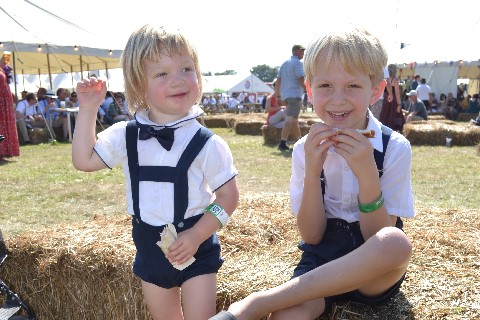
(373, 268)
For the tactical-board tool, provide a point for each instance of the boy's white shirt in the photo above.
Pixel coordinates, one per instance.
(212, 168)
(341, 195)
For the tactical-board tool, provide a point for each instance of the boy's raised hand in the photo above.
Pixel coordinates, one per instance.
(91, 93)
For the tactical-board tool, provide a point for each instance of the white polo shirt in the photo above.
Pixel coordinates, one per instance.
(212, 168)
(341, 194)
(24, 108)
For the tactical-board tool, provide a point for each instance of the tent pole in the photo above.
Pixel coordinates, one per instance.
(71, 73)
(23, 80)
(49, 71)
(106, 74)
(15, 77)
(39, 77)
(81, 68)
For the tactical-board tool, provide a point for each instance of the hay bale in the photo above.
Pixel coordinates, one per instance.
(436, 117)
(272, 135)
(434, 133)
(38, 135)
(83, 271)
(464, 116)
(211, 122)
(77, 271)
(249, 127)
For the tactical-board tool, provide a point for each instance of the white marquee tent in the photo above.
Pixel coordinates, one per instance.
(235, 83)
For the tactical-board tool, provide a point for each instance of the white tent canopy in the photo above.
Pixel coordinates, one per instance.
(34, 58)
(441, 65)
(235, 83)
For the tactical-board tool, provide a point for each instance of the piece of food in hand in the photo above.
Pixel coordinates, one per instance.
(367, 133)
(168, 236)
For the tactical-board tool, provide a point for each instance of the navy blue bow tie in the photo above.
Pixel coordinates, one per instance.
(165, 136)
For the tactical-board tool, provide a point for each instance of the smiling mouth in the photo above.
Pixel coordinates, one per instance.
(179, 95)
(338, 114)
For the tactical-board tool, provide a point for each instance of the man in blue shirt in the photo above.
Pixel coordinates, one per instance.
(289, 89)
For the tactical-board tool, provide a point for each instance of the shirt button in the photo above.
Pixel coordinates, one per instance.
(180, 225)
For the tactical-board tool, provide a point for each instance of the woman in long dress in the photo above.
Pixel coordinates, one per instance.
(391, 114)
(9, 147)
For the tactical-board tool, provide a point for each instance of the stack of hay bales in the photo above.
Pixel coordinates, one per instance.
(83, 271)
(435, 133)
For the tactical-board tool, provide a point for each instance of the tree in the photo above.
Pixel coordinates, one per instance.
(265, 73)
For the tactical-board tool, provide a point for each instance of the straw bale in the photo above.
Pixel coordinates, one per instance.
(249, 127)
(434, 133)
(464, 116)
(272, 135)
(211, 122)
(38, 135)
(83, 271)
(436, 117)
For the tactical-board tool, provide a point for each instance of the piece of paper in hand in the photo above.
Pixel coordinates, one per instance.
(168, 236)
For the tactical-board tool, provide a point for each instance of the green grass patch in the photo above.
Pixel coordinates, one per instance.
(41, 188)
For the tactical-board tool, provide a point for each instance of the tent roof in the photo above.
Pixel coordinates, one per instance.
(34, 58)
(235, 83)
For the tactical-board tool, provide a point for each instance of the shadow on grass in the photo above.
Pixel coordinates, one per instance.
(276, 152)
(397, 308)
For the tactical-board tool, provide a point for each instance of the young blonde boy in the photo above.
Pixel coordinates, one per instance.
(179, 175)
(353, 245)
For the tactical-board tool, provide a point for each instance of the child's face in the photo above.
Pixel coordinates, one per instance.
(172, 86)
(341, 99)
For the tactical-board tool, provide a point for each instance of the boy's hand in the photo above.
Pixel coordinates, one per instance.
(316, 146)
(356, 150)
(91, 93)
(184, 247)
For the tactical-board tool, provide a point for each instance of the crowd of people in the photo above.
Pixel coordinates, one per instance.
(406, 101)
(221, 102)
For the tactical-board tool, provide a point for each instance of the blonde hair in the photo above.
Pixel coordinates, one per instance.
(355, 49)
(149, 43)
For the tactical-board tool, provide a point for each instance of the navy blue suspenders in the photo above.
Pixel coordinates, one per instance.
(176, 175)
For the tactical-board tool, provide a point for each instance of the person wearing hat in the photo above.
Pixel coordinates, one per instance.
(289, 90)
(416, 109)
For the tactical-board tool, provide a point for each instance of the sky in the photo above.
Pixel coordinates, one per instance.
(242, 34)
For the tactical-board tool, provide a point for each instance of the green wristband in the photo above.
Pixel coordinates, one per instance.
(373, 206)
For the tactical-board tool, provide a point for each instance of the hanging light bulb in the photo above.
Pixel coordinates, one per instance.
(110, 52)
(39, 48)
(1, 44)
(75, 48)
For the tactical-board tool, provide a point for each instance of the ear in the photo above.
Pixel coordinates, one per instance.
(377, 91)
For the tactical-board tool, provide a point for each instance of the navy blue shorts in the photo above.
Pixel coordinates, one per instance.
(340, 238)
(152, 266)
